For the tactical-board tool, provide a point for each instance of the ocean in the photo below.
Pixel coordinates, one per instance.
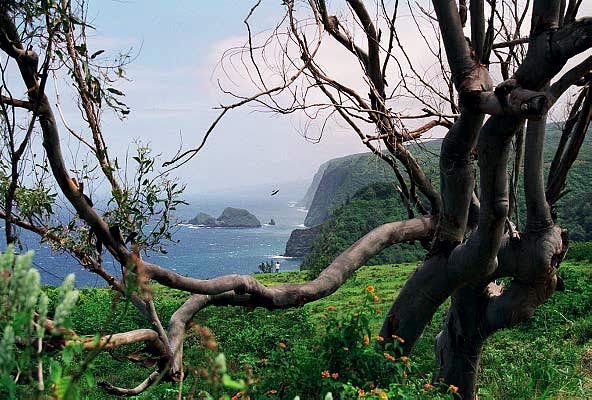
(201, 252)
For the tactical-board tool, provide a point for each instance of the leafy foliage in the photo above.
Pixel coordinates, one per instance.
(27, 365)
(144, 209)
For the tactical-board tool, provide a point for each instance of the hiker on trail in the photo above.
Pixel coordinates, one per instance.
(277, 266)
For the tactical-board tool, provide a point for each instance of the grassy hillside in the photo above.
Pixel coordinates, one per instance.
(548, 357)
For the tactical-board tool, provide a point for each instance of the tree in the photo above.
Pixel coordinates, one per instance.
(466, 227)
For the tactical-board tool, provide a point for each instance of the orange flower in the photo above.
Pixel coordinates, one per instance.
(282, 345)
(428, 386)
(271, 391)
(381, 394)
(400, 339)
(375, 298)
(406, 360)
(404, 374)
(361, 392)
(380, 338)
(330, 308)
(264, 360)
(366, 340)
(236, 396)
(370, 289)
(453, 389)
(325, 374)
(389, 357)
(334, 375)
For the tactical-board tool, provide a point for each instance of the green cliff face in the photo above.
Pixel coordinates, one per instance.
(372, 206)
(306, 201)
(341, 179)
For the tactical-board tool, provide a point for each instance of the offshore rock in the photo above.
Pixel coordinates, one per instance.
(230, 218)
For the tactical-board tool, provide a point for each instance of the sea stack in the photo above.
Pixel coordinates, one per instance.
(230, 218)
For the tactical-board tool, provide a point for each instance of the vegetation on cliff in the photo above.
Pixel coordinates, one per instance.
(379, 203)
(341, 179)
(374, 205)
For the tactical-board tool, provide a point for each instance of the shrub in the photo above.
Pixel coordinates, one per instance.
(580, 251)
(29, 368)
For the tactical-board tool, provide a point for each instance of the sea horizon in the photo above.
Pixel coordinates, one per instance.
(201, 252)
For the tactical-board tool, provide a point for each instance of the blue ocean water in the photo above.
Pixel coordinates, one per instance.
(201, 252)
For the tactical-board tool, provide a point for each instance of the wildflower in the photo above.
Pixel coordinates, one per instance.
(325, 374)
(380, 338)
(346, 349)
(334, 375)
(361, 392)
(375, 298)
(282, 345)
(236, 396)
(271, 391)
(389, 357)
(381, 394)
(400, 339)
(428, 386)
(330, 308)
(453, 389)
(404, 374)
(366, 340)
(264, 360)
(406, 360)
(370, 289)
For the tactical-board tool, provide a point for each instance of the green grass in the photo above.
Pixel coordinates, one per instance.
(547, 357)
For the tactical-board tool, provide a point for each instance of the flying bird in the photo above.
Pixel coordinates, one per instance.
(275, 192)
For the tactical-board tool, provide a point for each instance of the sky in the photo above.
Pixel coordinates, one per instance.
(173, 90)
(172, 93)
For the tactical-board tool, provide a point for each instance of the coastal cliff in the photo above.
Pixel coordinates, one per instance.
(335, 182)
(341, 179)
(301, 241)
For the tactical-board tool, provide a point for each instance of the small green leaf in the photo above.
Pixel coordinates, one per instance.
(232, 384)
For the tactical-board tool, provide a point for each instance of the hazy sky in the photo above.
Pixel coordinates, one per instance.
(173, 89)
(172, 93)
